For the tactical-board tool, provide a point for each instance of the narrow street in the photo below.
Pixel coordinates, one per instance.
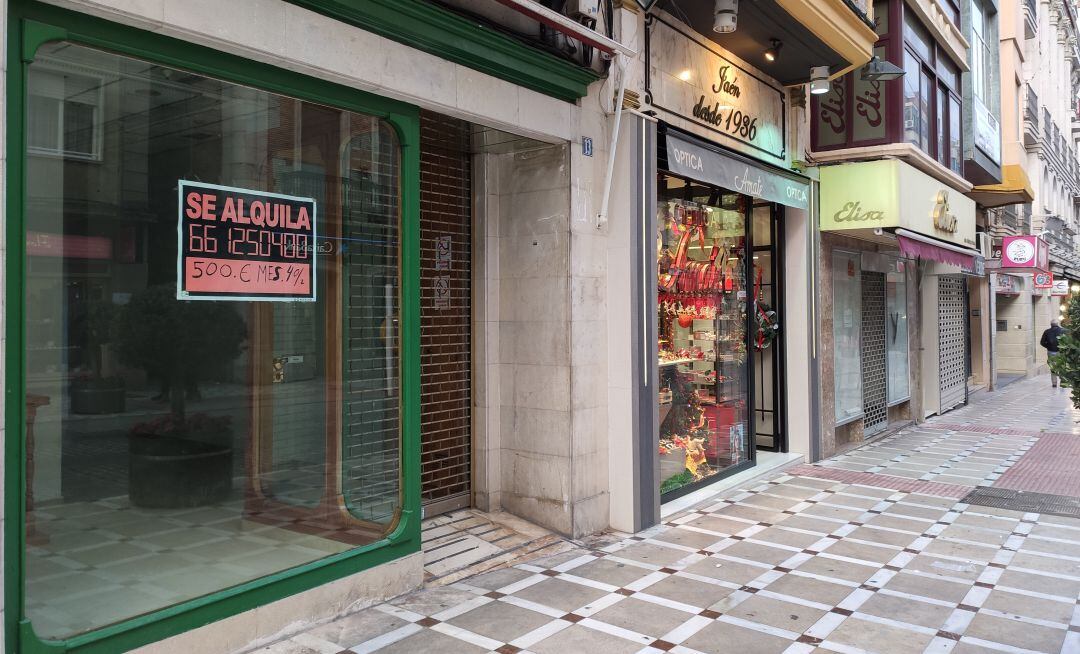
(959, 535)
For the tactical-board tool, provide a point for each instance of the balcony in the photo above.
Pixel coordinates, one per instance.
(1031, 118)
(1031, 19)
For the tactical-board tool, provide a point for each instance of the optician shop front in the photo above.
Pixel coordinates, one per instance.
(213, 366)
(726, 209)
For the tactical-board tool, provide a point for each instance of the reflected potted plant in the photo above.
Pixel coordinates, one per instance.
(179, 464)
(91, 392)
(179, 460)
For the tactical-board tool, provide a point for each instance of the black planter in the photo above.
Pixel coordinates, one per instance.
(175, 473)
(95, 399)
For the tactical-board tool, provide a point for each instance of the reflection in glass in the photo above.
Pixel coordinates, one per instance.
(701, 249)
(177, 448)
(847, 335)
(896, 332)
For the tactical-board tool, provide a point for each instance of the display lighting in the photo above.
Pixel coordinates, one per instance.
(725, 16)
(819, 80)
(879, 70)
(773, 52)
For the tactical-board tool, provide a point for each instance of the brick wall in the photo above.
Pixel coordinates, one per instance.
(445, 315)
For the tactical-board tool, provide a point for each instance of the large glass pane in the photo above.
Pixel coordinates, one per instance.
(703, 297)
(184, 440)
(913, 127)
(847, 329)
(956, 161)
(896, 332)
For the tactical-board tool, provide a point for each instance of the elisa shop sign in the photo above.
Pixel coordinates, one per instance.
(714, 91)
(889, 193)
(243, 244)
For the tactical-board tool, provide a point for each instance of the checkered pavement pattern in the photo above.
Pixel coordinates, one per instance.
(795, 565)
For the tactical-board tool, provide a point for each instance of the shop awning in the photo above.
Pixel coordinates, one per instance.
(918, 246)
(1015, 188)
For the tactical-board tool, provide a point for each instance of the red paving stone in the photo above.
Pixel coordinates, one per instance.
(1052, 465)
(876, 480)
(997, 431)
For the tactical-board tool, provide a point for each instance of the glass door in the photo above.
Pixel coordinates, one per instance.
(766, 336)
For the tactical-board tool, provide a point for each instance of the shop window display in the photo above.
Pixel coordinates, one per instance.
(702, 300)
(180, 445)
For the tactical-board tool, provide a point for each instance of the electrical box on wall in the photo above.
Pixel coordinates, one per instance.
(583, 8)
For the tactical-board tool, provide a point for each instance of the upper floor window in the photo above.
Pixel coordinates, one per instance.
(982, 58)
(63, 115)
(932, 106)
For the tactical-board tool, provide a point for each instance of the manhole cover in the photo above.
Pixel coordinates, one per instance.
(1003, 498)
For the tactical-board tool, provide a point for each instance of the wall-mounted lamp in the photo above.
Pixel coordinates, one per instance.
(819, 80)
(1076, 288)
(879, 70)
(725, 16)
(773, 52)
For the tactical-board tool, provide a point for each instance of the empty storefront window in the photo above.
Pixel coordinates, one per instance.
(181, 441)
(847, 335)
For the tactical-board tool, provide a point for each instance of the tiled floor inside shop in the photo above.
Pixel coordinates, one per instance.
(129, 560)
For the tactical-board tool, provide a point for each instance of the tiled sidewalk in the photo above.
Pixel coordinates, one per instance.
(864, 554)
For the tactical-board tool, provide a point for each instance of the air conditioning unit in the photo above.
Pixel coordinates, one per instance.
(982, 244)
(582, 9)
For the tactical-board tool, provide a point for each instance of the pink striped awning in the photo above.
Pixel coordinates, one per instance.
(923, 247)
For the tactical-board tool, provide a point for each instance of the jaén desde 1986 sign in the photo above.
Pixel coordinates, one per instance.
(242, 244)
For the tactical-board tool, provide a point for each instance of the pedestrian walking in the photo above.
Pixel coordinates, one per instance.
(1049, 340)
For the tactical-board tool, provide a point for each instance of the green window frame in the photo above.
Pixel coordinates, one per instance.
(31, 25)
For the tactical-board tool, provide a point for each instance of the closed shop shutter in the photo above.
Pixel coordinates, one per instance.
(445, 312)
(952, 373)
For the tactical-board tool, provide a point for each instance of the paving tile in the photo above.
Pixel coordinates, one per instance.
(939, 589)
(582, 639)
(883, 536)
(1049, 584)
(559, 594)
(968, 570)
(787, 537)
(1017, 634)
(687, 538)
(732, 571)
(719, 524)
(758, 552)
(827, 567)
(1031, 607)
(642, 617)
(357, 628)
(431, 641)
(777, 613)
(907, 610)
(500, 621)
(807, 588)
(689, 591)
(499, 578)
(653, 554)
(611, 572)
(724, 638)
(434, 600)
(878, 638)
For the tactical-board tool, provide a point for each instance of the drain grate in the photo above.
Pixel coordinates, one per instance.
(1003, 498)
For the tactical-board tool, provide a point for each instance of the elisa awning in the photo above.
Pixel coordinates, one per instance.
(1015, 188)
(918, 246)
